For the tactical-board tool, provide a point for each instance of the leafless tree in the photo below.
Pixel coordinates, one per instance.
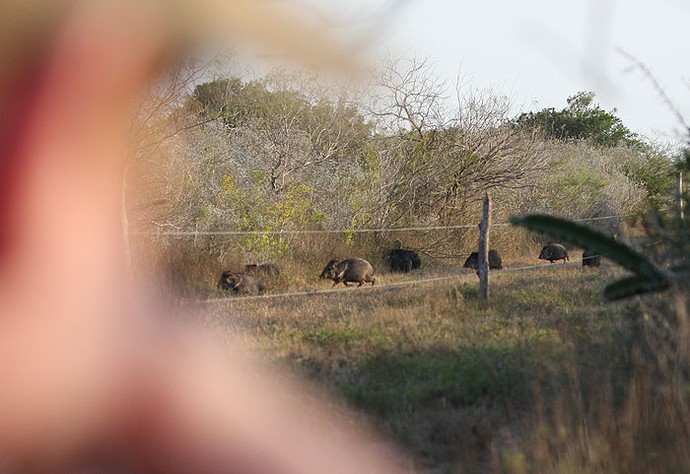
(441, 151)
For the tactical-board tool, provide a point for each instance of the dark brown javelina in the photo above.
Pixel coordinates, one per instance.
(355, 270)
(241, 282)
(495, 262)
(404, 260)
(553, 251)
(270, 269)
(591, 258)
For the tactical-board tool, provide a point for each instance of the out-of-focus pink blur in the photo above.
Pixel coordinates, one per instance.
(89, 382)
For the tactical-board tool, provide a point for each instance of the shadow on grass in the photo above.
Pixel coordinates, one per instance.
(445, 406)
(396, 382)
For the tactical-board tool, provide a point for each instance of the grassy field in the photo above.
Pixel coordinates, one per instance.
(549, 377)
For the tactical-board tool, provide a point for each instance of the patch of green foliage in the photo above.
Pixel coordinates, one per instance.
(327, 337)
(394, 382)
(655, 174)
(583, 119)
(254, 212)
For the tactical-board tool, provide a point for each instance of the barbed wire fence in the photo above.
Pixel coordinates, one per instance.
(387, 286)
(193, 233)
(381, 287)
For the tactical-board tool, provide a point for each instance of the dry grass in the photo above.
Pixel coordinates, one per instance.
(548, 378)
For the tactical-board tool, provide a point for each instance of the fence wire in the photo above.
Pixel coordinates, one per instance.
(309, 293)
(192, 233)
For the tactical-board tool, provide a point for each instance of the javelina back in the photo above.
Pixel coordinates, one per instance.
(591, 258)
(404, 260)
(263, 269)
(553, 251)
(495, 262)
(241, 282)
(354, 270)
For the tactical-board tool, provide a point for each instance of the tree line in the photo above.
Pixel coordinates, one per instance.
(288, 151)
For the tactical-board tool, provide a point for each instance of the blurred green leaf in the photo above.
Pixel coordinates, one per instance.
(648, 277)
(634, 285)
(583, 236)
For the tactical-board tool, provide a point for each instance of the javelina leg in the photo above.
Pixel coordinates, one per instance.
(335, 283)
(360, 284)
(345, 283)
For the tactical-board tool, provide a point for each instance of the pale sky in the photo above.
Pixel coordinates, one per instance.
(539, 52)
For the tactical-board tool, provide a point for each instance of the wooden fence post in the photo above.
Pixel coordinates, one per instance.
(483, 257)
(679, 195)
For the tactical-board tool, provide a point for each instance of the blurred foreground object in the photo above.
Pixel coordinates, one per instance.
(90, 379)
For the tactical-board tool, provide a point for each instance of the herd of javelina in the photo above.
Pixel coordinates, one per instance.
(360, 271)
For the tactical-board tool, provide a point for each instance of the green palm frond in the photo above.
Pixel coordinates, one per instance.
(647, 276)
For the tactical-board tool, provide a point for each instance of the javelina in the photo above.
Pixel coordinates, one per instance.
(241, 283)
(354, 270)
(263, 269)
(404, 260)
(553, 251)
(495, 262)
(591, 258)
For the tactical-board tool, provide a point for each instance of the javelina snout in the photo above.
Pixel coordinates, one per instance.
(270, 269)
(355, 270)
(329, 272)
(404, 260)
(495, 262)
(591, 258)
(553, 251)
(241, 283)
